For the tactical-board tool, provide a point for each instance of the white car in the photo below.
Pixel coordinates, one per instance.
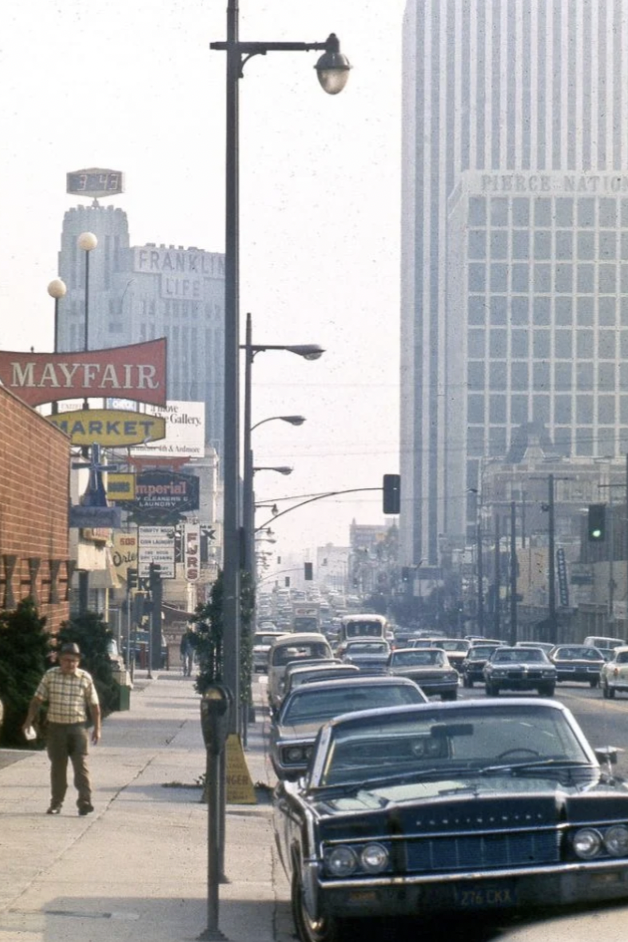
(614, 673)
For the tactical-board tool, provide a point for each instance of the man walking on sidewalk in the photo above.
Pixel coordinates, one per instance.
(71, 698)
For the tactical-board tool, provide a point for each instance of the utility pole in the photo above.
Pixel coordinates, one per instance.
(480, 576)
(513, 573)
(552, 627)
(498, 587)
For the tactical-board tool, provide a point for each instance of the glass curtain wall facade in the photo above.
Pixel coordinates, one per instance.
(515, 244)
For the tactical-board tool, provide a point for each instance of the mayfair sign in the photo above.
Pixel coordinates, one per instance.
(109, 427)
(136, 372)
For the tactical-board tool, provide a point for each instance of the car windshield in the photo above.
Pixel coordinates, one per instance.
(452, 645)
(364, 629)
(519, 656)
(283, 654)
(621, 658)
(310, 706)
(263, 639)
(480, 651)
(472, 740)
(577, 654)
(418, 658)
(367, 647)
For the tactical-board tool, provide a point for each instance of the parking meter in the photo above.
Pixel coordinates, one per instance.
(216, 704)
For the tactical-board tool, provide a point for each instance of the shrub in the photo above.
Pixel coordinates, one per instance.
(24, 644)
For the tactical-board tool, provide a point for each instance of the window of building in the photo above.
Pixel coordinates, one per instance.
(497, 409)
(541, 311)
(623, 344)
(499, 277)
(605, 441)
(584, 344)
(607, 209)
(519, 340)
(606, 344)
(499, 244)
(607, 279)
(586, 245)
(475, 343)
(623, 409)
(498, 309)
(475, 372)
(585, 279)
(608, 245)
(584, 410)
(541, 376)
(585, 312)
(584, 441)
(475, 441)
(499, 211)
(116, 327)
(497, 375)
(623, 239)
(521, 211)
(542, 245)
(477, 211)
(564, 212)
(498, 343)
(519, 376)
(477, 243)
(521, 244)
(563, 376)
(562, 410)
(477, 309)
(477, 277)
(541, 409)
(563, 278)
(497, 442)
(541, 344)
(606, 410)
(519, 310)
(475, 408)
(623, 376)
(623, 274)
(520, 277)
(542, 278)
(542, 213)
(563, 311)
(564, 245)
(624, 213)
(586, 212)
(562, 440)
(518, 409)
(563, 345)
(606, 312)
(584, 377)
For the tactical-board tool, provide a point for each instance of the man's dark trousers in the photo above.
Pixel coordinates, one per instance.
(68, 741)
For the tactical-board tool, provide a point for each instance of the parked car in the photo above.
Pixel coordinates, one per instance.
(614, 673)
(427, 667)
(449, 807)
(301, 647)
(305, 710)
(577, 662)
(140, 646)
(262, 643)
(472, 667)
(367, 655)
(520, 669)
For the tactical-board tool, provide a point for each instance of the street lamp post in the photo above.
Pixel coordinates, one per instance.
(87, 241)
(57, 290)
(333, 71)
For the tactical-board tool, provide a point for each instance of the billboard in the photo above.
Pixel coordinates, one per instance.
(136, 372)
(192, 551)
(156, 546)
(185, 431)
(161, 497)
(109, 427)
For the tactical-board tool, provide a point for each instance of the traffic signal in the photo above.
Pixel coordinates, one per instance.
(596, 523)
(392, 490)
(308, 573)
(131, 579)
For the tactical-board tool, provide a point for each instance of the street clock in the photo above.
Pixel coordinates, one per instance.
(95, 182)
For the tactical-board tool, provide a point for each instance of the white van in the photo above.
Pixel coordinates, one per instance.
(300, 647)
(598, 641)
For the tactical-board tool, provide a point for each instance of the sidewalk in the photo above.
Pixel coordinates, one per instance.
(137, 868)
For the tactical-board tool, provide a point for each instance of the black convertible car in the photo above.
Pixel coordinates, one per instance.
(447, 807)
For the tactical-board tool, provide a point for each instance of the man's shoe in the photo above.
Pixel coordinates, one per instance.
(85, 809)
(54, 809)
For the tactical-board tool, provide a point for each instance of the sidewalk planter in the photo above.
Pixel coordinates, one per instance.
(123, 682)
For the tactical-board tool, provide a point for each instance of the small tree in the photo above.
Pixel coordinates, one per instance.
(209, 631)
(24, 644)
(93, 636)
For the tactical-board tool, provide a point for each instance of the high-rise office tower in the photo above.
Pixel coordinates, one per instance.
(137, 293)
(514, 242)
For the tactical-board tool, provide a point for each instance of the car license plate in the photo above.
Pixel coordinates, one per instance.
(485, 896)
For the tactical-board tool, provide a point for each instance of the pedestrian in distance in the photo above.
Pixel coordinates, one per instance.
(72, 701)
(187, 649)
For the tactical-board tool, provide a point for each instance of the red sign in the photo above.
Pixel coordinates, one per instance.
(136, 372)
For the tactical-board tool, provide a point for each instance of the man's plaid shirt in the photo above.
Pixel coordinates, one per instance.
(67, 695)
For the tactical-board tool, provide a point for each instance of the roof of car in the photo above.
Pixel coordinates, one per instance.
(360, 680)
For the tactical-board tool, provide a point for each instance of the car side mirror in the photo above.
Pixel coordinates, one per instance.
(607, 754)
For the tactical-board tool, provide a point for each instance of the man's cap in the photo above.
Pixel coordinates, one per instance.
(70, 648)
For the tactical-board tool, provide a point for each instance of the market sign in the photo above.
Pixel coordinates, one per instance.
(161, 497)
(109, 427)
(136, 372)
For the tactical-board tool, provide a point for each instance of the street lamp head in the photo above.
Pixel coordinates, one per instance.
(57, 289)
(309, 351)
(281, 469)
(333, 67)
(293, 419)
(87, 241)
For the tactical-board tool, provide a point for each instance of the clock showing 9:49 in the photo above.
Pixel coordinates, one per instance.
(95, 182)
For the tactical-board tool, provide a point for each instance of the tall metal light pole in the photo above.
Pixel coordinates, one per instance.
(57, 290)
(333, 71)
(87, 241)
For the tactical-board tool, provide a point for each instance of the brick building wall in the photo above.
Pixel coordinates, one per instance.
(34, 489)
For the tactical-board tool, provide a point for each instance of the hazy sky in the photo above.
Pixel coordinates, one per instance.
(133, 86)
